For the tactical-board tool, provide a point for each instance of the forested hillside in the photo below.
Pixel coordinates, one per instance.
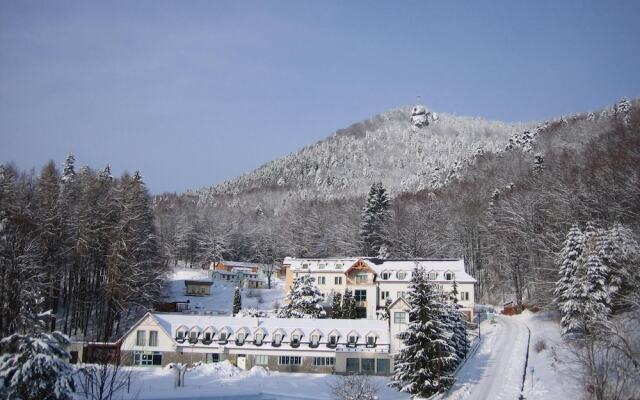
(78, 250)
(503, 196)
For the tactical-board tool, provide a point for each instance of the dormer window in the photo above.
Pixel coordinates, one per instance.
(258, 338)
(433, 276)
(208, 338)
(352, 340)
(180, 336)
(295, 340)
(339, 265)
(223, 338)
(322, 266)
(401, 275)
(385, 276)
(315, 340)
(277, 339)
(333, 341)
(240, 336)
(193, 337)
(448, 275)
(371, 341)
(305, 266)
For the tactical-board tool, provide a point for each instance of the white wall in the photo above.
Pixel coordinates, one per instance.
(165, 343)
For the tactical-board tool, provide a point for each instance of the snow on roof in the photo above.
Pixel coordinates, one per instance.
(438, 265)
(172, 321)
(202, 281)
(235, 264)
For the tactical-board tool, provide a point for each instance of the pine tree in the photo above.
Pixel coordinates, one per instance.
(375, 218)
(36, 367)
(568, 283)
(426, 360)
(304, 299)
(336, 305)
(383, 312)
(348, 305)
(237, 301)
(459, 337)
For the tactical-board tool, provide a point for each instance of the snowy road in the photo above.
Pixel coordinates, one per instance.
(495, 371)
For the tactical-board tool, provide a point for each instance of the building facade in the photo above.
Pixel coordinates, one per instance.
(287, 345)
(372, 280)
(246, 274)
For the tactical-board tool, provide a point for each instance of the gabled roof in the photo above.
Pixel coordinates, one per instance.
(399, 300)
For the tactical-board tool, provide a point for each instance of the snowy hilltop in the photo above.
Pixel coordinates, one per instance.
(407, 149)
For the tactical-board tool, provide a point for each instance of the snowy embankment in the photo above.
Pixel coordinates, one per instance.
(223, 380)
(221, 298)
(551, 379)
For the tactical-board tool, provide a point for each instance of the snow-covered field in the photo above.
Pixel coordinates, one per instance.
(221, 298)
(223, 380)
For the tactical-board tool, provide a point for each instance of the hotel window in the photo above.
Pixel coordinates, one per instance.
(353, 365)
(433, 276)
(212, 358)
(338, 266)
(322, 266)
(322, 280)
(384, 295)
(352, 341)
(207, 337)
(333, 340)
(277, 339)
(180, 335)
(371, 341)
(360, 295)
(153, 338)
(464, 296)
(193, 337)
(400, 294)
(240, 336)
(324, 361)
(140, 338)
(289, 360)
(222, 338)
(315, 339)
(258, 338)
(362, 277)
(401, 275)
(368, 365)
(305, 266)
(385, 275)
(337, 280)
(448, 276)
(295, 340)
(262, 359)
(400, 317)
(383, 365)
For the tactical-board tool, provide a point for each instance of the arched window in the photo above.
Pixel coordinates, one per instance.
(401, 275)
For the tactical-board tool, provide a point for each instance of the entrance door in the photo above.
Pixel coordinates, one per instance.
(242, 361)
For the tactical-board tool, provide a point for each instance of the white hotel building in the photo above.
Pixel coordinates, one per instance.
(373, 280)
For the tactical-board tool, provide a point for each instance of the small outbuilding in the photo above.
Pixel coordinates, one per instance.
(200, 287)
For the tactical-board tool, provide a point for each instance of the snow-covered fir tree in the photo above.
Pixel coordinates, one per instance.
(424, 365)
(304, 299)
(459, 339)
(383, 312)
(568, 284)
(374, 220)
(237, 301)
(336, 305)
(36, 367)
(348, 305)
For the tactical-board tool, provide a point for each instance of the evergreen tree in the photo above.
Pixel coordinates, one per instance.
(424, 364)
(459, 337)
(567, 285)
(375, 218)
(383, 312)
(36, 367)
(304, 299)
(336, 305)
(237, 301)
(348, 305)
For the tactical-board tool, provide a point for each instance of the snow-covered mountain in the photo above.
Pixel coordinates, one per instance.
(407, 149)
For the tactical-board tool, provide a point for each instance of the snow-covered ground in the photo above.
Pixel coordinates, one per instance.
(551, 378)
(223, 380)
(221, 298)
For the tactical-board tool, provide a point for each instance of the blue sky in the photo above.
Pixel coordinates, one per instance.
(192, 93)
